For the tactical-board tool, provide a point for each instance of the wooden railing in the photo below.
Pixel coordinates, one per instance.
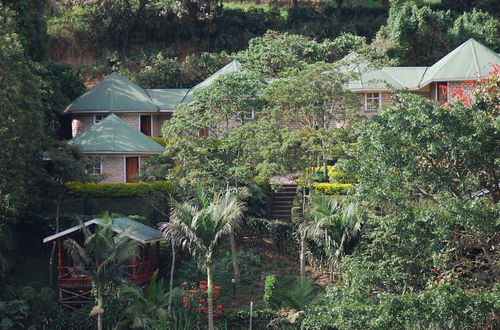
(80, 276)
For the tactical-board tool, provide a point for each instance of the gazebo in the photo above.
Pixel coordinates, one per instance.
(74, 282)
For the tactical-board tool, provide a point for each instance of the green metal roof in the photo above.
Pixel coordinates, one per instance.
(141, 232)
(468, 61)
(166, 99)
(113, 135)
(461, 64)
(114, 94)
(234, 66)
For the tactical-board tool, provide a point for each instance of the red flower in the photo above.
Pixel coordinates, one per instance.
(203, 282)
(440, 278)
(216, 287)
(216, 292)
(194, 283)
(203, 286)
(184, 283)
(201, 301)
(206, 291)
(185, 298)
(193, 291)
(219, 306)
(434, 270)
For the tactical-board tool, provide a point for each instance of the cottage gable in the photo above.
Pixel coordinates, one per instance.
(113, 135)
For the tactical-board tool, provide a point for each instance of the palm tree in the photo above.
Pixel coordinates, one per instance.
(331, 225)
(198, 226)
(146, 307)
(106, 251)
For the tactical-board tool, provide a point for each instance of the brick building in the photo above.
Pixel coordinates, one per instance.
(145, 111)
(119, 149)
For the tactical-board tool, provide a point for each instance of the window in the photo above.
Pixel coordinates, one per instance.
(95, 168)
(98, 118)
(249, 114)
(442, 92)
(372, 102)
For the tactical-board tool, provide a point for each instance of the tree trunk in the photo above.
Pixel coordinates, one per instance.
(339, 7)
(295, 3)
(234, 254)
(210, 298)
(53, 251)
(302, 255)
(171, 285)
(101, 311)
(340, 250)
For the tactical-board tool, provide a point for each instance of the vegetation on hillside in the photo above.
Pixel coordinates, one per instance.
(387, 231)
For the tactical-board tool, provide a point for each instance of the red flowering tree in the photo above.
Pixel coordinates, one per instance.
(195, 297)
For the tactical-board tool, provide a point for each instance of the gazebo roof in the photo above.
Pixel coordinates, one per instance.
(113, 94)
(142, 233)
(113, 135)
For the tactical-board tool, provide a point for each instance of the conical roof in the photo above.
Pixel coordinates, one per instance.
(234, 66)
(113, 135)
(468, 61)
(114, 93)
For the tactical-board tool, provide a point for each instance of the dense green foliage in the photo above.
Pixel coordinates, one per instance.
(407, 244)
(120, 189)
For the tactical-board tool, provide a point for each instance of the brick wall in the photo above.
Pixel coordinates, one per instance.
(80, 123)
(131, 119)
(158, 121)
(113, 169)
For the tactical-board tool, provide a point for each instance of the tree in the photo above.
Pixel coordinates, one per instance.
(415, 35)
(198, 226)
(419, 165)
(331, 225)
(65, 163)
(145, 307)
(21, 125)
(106, 251)
(275, 53)
(317, 100)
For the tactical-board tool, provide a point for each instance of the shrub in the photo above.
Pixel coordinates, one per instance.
(445, 307)
(119, 189)
(331, 188)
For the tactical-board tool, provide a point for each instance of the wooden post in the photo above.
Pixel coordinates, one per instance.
(59, 259)
(251, 312)
(134, 266)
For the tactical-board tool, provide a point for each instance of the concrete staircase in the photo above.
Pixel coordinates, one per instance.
(282, 202)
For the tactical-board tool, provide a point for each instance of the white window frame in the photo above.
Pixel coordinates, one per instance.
(371, 102)
(92, 172)
(245, 114)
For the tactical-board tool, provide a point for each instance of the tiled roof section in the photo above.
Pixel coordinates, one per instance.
(468, 61)
(234, 66)
(114, 94)
(166, 99)
(113, 135)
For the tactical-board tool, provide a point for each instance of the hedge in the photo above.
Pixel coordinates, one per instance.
(119, 189)
(331, 188)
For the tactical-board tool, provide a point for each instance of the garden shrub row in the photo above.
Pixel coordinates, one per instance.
(119, 189)
(332, 188)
